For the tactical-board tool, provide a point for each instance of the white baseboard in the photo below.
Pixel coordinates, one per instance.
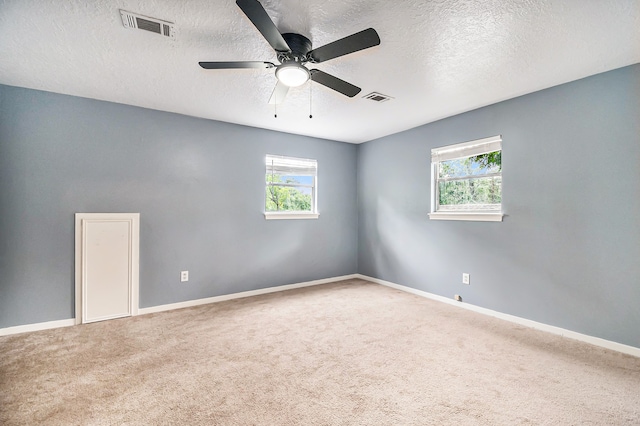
(69, 322)
(630, 350)
(37, 326)
(197, 302)
(619, 347)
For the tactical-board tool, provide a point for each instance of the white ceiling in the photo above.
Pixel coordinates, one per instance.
(437, 58)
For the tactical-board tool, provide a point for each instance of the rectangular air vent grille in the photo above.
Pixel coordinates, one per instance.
(154, 25)
(377, 97)
(143, 24)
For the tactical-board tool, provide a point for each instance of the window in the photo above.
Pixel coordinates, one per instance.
(290, 188)
(466, 181)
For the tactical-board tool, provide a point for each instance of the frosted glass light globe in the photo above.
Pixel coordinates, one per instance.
(292, 75)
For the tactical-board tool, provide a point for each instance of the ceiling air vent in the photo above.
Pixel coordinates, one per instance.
(158, 26)
(377, 97)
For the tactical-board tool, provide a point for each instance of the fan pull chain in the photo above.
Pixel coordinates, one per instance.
(310, 100)
(275, 105)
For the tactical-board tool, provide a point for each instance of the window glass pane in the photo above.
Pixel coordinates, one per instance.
(288, 198)
(472, 192)
(303, 180)
(471, 166)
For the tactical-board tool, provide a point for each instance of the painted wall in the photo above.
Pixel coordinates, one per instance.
(198, 185)
(566, 254)
(568, 251)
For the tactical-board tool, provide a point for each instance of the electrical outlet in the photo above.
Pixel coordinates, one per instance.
(465, 278)
(184, 276)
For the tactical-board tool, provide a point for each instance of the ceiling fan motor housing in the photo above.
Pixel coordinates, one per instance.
(300, 46)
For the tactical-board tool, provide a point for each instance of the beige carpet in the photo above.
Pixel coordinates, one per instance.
(348, 353)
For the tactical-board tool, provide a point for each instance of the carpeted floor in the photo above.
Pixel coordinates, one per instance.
(348, 353)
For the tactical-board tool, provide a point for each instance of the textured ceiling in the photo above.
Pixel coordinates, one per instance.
(436, 58)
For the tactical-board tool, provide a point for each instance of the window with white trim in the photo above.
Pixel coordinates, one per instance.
(291, 188)
(466, 181)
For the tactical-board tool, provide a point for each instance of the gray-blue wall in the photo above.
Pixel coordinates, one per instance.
(568, 251)
(198, 185)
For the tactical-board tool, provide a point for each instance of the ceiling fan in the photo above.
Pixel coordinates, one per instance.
(294, 51)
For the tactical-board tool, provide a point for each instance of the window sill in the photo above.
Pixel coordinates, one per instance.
(290, 215)
(477, 217)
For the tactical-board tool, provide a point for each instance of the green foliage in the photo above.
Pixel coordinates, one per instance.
(472, 187)
(489, 160)
(471, 191)
(285, 198)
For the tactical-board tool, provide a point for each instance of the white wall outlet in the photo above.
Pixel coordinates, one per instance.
(465, 278)
(184, 276)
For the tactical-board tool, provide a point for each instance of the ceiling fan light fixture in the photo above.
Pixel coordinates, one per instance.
(292, 75)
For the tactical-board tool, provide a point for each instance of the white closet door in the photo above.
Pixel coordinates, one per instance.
(108, 266)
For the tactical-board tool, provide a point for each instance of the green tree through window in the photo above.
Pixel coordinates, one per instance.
(285, 197)
(471, 181)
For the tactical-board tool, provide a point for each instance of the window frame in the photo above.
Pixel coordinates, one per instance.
(456, 151)
(309, 164)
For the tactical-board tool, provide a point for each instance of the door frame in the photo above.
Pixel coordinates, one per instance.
(134, 259)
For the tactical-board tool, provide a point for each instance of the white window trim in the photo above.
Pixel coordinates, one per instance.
(453, 151)
(478, 217)
(290, 215)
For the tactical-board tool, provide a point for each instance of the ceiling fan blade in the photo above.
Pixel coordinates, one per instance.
(279, 93)
(233, 65)
(334, 83)
(358, 41)
(259, 17)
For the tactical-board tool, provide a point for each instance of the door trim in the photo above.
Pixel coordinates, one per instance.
(134, 270)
